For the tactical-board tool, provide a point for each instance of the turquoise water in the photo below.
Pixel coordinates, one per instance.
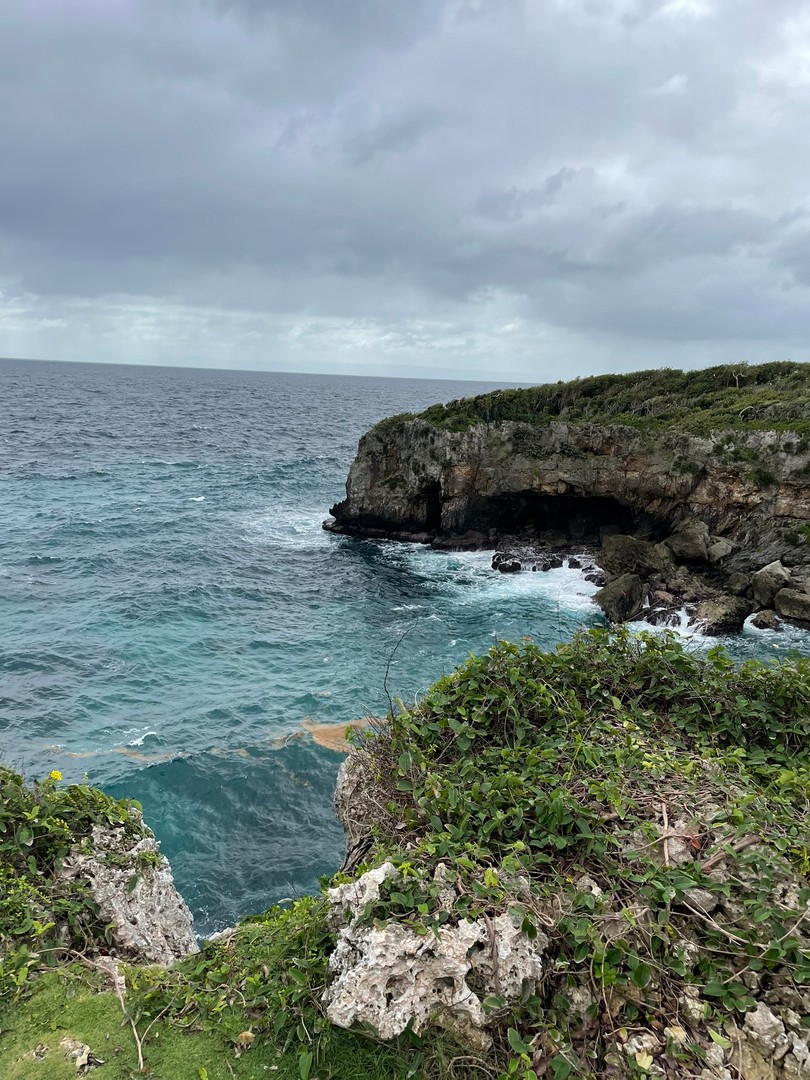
(171, 611)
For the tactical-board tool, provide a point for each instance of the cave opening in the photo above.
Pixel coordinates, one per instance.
(562, 518)
(432, 496)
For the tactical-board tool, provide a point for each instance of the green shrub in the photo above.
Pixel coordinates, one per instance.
(762, 477)
(525, 770)
(759, 397)
(42, 916)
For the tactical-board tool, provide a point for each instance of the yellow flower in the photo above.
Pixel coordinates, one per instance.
(54, 774)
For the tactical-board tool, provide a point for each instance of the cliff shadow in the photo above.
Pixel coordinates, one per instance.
(561, 518)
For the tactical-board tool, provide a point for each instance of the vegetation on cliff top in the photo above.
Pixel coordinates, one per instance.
(644, 808)
(773, 396)
(42, 916)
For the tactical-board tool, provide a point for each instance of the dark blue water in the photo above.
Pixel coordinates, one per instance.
(171, 612)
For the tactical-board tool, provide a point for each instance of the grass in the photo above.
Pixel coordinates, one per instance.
(265, 980)
(68, 1005)
(774, 396)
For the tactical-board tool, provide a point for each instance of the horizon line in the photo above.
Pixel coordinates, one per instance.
(262, 371)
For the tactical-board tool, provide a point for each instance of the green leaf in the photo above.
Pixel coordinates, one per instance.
(641, 975)
(519, 1045)
(304, 1064)
(493, 1001)
(561, 1067)
(721, 1040)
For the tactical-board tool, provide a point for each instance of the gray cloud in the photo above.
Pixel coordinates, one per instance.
(493, 182)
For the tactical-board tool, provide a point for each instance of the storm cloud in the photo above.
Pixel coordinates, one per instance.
(524, 189)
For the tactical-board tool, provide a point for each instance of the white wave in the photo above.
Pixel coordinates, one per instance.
(142, 738)
(197, 498)
(469, 575)
(294, 527)
(679, 623)
(786, 637)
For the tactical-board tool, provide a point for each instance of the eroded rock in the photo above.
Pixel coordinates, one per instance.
(628, 555)
(718, 550)
(390, 976)
(793, 604)
(690, 542)
(724, 615)
(766, 620)
(132, 884)
(622, 598)
(767, 582)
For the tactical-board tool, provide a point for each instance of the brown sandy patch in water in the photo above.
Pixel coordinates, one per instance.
(334, 736)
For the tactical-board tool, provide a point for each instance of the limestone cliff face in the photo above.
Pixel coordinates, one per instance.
(575, 482)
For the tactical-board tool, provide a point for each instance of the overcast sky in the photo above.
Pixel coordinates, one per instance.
(508, 189)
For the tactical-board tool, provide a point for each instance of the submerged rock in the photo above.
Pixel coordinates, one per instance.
(506, 563)
(766, 620)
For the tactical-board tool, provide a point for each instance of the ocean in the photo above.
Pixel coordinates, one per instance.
(173, 617)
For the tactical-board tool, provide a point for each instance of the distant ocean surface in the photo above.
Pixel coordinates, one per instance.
(171, 612)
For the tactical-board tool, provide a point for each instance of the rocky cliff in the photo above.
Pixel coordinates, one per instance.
(743, 492)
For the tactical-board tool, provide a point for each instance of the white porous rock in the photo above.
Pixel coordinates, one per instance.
(797, 1062)
(132, 884)
(764, 1029)
(715, 1057)
(691, 1007)
(390, 976)
(350, 899)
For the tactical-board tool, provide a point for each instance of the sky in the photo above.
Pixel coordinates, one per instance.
(521, 190)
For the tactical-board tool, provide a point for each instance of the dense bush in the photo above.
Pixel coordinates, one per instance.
(548, 780)
(43, 917)
(756, 397)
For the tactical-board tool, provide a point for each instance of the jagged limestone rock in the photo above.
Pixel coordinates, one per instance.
(132, 884)
(793, 604)
(622, 598)
(390, 976)
(767, 582)
(690, 542)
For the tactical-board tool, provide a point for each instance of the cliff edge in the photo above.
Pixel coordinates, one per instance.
(716, 463)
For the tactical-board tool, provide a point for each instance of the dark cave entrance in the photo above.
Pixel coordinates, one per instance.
(432, 496)
(561, 518)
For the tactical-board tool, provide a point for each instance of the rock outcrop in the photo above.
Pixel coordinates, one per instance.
(575, 483)
(132, 884)
(622, 598)
(693, 516)
(390, 977)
